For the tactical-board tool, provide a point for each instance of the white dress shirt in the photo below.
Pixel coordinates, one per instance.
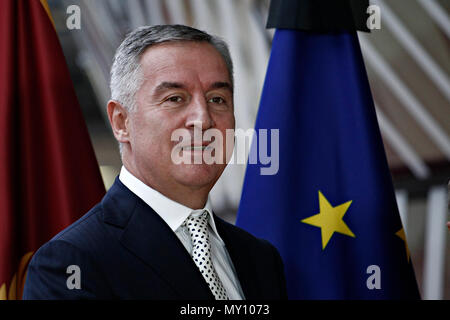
(174, 214)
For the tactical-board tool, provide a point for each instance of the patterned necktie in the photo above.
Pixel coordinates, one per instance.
(201, 253)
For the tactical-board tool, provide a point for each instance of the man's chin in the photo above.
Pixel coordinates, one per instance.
(198, 175)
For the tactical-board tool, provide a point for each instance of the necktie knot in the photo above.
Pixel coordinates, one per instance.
(198, 224)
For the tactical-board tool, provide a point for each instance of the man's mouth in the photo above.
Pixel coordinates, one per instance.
(196, 148)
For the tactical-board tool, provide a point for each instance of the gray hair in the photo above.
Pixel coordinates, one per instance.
(126, 75)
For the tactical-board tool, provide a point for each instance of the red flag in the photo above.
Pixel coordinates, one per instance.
(49, 175)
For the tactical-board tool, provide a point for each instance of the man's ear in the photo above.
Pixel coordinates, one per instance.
(118, 118)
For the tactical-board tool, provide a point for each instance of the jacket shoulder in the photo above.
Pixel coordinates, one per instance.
(85, 231)
(74, 247)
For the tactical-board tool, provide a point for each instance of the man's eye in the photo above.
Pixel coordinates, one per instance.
(217, 100)
(175, 99)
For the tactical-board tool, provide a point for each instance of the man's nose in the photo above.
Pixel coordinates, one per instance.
(199, 115)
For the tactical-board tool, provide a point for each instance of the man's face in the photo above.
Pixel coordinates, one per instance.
(186, 86)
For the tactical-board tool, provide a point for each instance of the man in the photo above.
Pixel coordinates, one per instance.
(154, 235)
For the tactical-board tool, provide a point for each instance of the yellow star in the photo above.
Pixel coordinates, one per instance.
(329, 219)
(401, 234)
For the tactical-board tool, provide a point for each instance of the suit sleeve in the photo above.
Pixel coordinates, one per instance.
(59, 270)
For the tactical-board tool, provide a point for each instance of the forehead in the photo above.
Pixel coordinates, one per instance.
(184, 60)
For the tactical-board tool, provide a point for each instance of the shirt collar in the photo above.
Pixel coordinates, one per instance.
(172, 212)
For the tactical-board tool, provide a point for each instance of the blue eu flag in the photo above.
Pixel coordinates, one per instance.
(330, 209)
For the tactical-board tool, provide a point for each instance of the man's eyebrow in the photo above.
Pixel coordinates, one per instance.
(168, 85)
(176, 85)
(220, 85)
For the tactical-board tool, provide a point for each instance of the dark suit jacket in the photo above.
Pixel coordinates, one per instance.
(126, 251)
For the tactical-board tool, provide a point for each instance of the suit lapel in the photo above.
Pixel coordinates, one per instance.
(148, 237)
(240, 257)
